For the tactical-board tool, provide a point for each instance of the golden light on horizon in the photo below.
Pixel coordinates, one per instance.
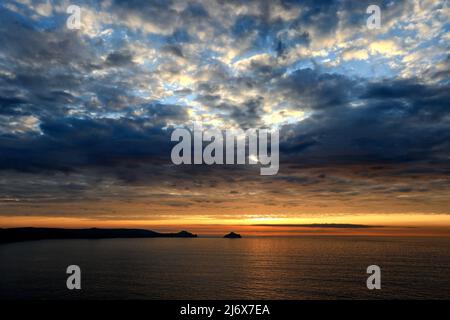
(392, 224)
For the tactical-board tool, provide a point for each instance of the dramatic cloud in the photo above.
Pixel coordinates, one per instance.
(86, 114)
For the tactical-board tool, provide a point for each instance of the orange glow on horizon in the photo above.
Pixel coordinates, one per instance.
(383, 225)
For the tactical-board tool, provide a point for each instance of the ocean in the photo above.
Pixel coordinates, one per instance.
(293, 268)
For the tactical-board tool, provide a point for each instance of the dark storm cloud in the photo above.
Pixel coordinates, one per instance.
(246, 115)
(162, 113)
(157, 10)
(394, 121)
(45, 69)
(413, 99)
(25, 45)
(320, 14)
(173, 49)
(40, 67)
(69, 143)
(315, 90)
(119, 59)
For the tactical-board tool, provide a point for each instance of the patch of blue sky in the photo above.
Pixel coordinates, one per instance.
(113, 41)
(429, 43)
(299, 65)
(49, 23)
(6, 7)
(108, 115)
(442, 35)
(208, 57)
(6, 13)
(370, 68)
(154, 39)
(175, 99)
(140, 93)
(248, 54)
(171, 87)
(178, 99)
(179, 36)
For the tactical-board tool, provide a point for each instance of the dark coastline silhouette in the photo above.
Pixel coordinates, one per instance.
(232, 235)
(25, 234)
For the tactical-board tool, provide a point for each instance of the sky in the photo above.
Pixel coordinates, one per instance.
(86, 114)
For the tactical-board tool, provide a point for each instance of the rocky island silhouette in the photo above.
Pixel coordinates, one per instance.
(232, 235)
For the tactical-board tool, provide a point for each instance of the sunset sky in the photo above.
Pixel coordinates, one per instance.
(364, 115)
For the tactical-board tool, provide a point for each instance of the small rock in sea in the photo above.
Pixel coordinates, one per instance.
(232, 235)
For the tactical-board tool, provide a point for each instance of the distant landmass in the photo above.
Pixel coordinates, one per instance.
(25, 234)
(232, 235)
(322, 225)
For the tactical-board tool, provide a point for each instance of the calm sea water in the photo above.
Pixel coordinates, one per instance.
(209, 268)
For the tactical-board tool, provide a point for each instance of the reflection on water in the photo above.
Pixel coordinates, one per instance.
(206, 268)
